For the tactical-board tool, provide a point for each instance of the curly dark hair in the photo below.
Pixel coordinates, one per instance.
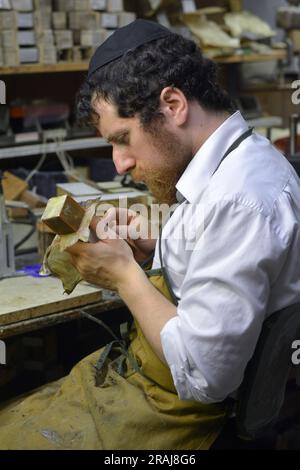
(133, 83)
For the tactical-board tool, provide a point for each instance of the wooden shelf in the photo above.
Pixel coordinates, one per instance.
(41, 68)
(277, 54)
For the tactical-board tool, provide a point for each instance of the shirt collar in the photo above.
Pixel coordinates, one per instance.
(201, 168)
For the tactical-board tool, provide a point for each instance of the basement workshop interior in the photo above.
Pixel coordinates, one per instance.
(150, 226)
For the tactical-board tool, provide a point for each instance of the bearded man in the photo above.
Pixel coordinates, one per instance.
(199, 311)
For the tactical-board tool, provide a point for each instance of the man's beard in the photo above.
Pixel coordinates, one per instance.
(175, 157)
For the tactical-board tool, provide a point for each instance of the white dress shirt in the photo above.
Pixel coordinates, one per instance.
(233, 256)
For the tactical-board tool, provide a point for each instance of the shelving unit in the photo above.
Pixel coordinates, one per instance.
(276, 54)
(52, 147)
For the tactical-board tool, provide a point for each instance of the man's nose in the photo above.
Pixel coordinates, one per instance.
(123, 163)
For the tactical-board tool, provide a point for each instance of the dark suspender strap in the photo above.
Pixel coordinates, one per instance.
(164, 271)
(235, 145)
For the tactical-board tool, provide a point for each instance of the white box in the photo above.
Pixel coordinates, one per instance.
(5, 5)
(22, 5)
(99, 5)
(26, 38)
(25, 20)
(29, 55)
(109, 20)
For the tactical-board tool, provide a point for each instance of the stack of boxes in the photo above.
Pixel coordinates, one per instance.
(49, 31)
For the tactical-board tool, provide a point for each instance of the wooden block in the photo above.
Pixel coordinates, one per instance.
(63, 215)
(84, 20)
(17, 213)
(63, 39)
(43, 4)
(8, 20)
(115, 5)
(11, 57)
(45, 38)
(48, 54)
(13, 186)
(82, 5)
(92, 38)
(59, 20)
(42, 20)
(32, 199)
(9, 39)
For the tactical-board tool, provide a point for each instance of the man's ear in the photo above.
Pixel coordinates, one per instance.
(174, 105)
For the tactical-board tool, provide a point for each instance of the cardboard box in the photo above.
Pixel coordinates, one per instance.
(45, 38)
(8, 20)
(42, 19)
(22, 5)
(115, 5)
(9, 39)
(84, 20)
(59, 20)
(47, 54)
(92, 38)
(63, 39)
(11, 57)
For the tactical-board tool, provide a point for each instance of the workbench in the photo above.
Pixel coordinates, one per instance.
(30, 303)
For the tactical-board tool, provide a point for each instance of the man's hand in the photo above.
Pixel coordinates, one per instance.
(132, 227)
(106, 262)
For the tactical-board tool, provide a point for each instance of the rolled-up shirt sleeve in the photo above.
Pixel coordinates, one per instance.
(223, 302)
